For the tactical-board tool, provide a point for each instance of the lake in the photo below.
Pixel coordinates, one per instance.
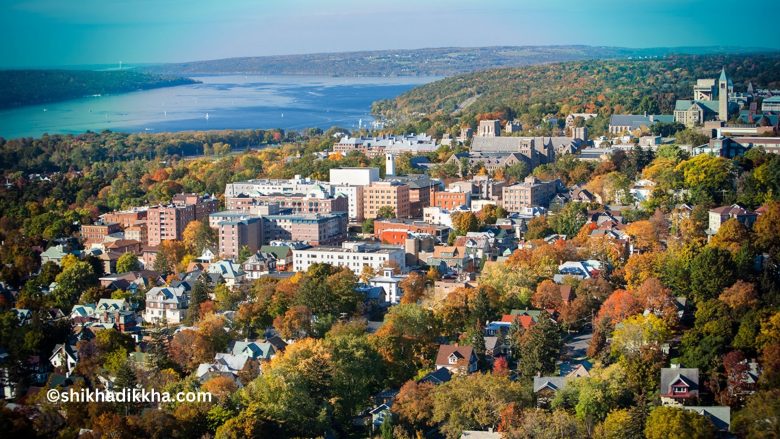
(219, 102)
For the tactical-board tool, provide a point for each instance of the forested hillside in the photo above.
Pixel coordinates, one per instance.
(607, 87)
(439, 61)
(28, 87)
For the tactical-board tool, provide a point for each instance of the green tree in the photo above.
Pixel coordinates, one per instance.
(368, 226)
(703, 284)
(127, 262)
(71, 282)
(570, 219)
(538, 228)
(386, 212)
(539, 347)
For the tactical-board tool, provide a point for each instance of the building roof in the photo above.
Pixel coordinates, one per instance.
(439, 376)
(254, 349)
(720, 416)
(553, 383)
(670, 375)
(462, 353)
(733, 210)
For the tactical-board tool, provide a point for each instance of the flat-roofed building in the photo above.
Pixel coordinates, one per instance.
(264, 186)
(235, 234)
(204, 204)
(125, 218)
(98, 231)
(313, 229)
(384, 226)
(531, 192)
(386, 193)
(353, 176)
(168, 222)
(451, 200)
(353, 255)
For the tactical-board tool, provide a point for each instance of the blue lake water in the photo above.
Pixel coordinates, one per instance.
(219, 102)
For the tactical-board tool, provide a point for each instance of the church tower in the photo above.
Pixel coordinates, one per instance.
(723, 96)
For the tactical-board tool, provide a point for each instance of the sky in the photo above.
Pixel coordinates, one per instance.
(49, 33)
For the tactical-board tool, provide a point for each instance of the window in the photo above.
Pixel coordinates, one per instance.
(679, 389)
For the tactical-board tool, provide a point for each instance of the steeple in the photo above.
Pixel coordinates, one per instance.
(723, 75)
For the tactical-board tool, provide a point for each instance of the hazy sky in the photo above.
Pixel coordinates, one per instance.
(68, 32)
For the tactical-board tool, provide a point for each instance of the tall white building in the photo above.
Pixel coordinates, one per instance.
(353, 176)
(389, 165)
(353, 255)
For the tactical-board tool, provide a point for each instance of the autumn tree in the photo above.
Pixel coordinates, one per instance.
(677, 423)
(740, 297)
(413, 287)
(295, 323)
(464, 222)
(547, 296)
(538, 228)
(637, 333)
(406, 340)
(414, 405)
(474, 402)
(767, 229)
(761, 416)
(385, 212)
(732, 236)
(198, 236)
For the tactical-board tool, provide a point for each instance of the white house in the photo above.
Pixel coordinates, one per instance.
(64, 356)
(389, 283)
(166, 304)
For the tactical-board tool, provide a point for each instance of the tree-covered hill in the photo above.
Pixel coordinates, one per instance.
(438, 61)
(607, 87)
(28, 87)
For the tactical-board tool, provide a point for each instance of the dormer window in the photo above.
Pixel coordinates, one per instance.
(679, 389)
(453, 359)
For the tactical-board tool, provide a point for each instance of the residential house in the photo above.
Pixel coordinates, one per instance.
(545, 389)
(255, 350)
(230, 272)
(576, 369)
(720, 215)
(283, 255)
(390, 284)
(578, 269)
(439, 376)
(457, 359)
(64, 357)
(679, 386)
(259, 264)
(166, 305)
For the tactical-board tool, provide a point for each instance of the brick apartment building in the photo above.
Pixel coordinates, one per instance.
(451, 200)
(314, 229)
(235, 234)
(169, 221)
(97, 232)
(298, 203)
(125, 218)
(386, 193)
(531, 192)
